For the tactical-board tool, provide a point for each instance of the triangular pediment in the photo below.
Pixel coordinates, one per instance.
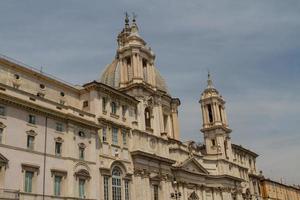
(192, 165)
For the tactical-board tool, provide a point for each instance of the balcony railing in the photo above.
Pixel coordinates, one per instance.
(9, 194)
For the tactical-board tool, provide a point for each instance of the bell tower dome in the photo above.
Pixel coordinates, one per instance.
(134, 62)
(215, 126)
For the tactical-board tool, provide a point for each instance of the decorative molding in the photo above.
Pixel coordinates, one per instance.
(31, 133)
(30, 167)
(58, 172)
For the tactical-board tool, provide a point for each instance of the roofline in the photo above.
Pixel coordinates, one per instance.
(94, 82)
(245, 150)
(29, 69)
(282, 184)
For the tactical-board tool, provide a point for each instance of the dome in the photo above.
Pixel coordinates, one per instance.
(111, 77)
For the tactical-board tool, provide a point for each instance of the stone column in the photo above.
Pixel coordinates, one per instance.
(169, 128)
(202, 111)
(122, 72)
(125, 75)
(152, 78)
(135, 65)
(175, 125)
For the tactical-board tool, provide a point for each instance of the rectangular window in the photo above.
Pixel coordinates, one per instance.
(127, 194)
(104, 134)
(85, 104)
(1, 135)
(124, 110)
(105, 182)
(58, 148)
(57, 185)
(28, 181)
(59, 127)
(31, 119)
(81, 188)
(81, 153)
(124, 136)
(103, 104)
(155, 192)
(30, 142)
(2, 110)
(115, 135)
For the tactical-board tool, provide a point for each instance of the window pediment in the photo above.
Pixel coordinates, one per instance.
(58, 139)
(58, 172)
(2, 125)
(84, 174)
(30, 167)
(3, 161)
(31, 132)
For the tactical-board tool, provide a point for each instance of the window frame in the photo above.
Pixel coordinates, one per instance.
(113, 106)
(59, 127)
(106, 187)
(28, 181)
(2, 110)
(115, 137)
(1, 134)
(58, 144)
(59, 192)
(155, 192)
(127, 189)
(30, 143)
(116, 183)
(81, 187)
(31, 119)
(124, 137)
(81, 149)
(104, 134)
(104, 103)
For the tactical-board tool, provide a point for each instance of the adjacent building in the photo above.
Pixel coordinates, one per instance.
(273, 190)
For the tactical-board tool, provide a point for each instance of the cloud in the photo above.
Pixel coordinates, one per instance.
(252, 49)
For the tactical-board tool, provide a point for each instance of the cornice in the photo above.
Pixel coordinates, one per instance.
(105, 88)
(9, 62)
(152, 157)
(47, 154)
(46, 100)
(46, 111)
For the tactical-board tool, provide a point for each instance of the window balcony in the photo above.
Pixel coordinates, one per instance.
(9, 194)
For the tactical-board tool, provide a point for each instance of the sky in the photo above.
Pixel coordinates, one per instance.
(251, 48)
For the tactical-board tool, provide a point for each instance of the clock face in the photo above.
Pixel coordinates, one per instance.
(152, 143)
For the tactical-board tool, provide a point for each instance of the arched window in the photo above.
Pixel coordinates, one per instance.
(116, 184)
(113, 108)
(210, 113)
(147, 117)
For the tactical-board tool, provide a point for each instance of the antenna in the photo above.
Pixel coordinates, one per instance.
(134, 16)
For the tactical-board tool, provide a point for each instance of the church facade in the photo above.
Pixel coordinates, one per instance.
(117, 138)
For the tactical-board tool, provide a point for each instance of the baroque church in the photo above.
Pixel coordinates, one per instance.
(116, 138)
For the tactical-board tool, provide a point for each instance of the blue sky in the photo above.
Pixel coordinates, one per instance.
(252, 49)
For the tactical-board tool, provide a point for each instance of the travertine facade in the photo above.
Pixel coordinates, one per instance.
(115, 138)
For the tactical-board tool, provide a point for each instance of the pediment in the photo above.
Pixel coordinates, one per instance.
(192, 165)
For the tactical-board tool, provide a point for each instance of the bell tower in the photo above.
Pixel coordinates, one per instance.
(136, 59)
(215, 126)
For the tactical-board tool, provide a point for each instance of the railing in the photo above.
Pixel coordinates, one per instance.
(9, 194)
(32, 196)
(36, 70)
